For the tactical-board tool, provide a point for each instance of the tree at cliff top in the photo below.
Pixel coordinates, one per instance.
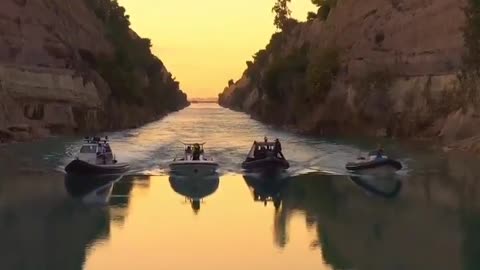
(133, 73)
(472, 36)
(283, 20)
(324, 8)
(471, 71)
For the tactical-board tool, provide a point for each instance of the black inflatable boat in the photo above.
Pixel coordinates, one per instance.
(376, 163)
(268, 163)
(265, 156)
(84, 168)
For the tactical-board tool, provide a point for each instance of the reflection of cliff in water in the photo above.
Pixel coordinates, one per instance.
(121, 196)
(41, 227)
(194, 189)
(266, 189)
(431, 225)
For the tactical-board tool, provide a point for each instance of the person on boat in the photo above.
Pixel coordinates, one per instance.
(188, 152)
(196, 152)
(265, 139)
(278, 149)
(378, 153)
(256, 150)
(262, 152)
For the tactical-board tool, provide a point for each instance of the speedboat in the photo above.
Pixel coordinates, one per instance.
(194, 161)
(96, 157)
(263, 156)
(374, 164)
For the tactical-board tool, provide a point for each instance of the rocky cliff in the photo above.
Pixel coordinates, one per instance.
(76, 66)
(373, 67)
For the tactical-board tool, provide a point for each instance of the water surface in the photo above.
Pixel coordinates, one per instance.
(315, 217)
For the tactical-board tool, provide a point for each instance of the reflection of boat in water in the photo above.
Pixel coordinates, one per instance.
(379, 186)
(194, 189)
(267, 188)
(96, 157)
(194, 162)
(91, 189)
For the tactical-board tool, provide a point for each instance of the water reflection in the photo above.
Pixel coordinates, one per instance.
(194, 188)
(42, 228)
(387, 187)
(91, 189)
(317, 221)
(267, 187)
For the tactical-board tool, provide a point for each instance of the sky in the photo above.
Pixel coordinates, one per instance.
(206, 43)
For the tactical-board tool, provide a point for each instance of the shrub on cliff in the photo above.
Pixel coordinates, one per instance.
(322, 71)
(472, 36)
(133, 73)
(324, 8)
(280, 70)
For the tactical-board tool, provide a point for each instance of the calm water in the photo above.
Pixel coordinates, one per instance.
(315, 217)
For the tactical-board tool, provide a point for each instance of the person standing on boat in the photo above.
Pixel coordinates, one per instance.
(256, 150)
(378, 153)
(189, 152)
(278, 148)
(196, 152)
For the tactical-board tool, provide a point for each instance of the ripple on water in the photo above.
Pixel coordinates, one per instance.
(228, 135)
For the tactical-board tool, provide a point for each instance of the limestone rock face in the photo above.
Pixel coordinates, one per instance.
(48, 32)
(48, 52)
(418, 43)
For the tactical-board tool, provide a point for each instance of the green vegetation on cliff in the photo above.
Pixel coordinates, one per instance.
(469, 77)
(133, 73)
(472, 36)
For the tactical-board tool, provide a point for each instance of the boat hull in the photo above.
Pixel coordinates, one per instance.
(80, 167)
(192, 168)
(384, 165)
(266, 164)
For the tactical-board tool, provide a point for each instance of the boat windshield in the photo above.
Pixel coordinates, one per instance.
(88, 149)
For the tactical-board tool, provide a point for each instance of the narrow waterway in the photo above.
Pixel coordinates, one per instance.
(315, 217)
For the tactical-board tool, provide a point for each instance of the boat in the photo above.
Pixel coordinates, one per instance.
(385, 187)
(263, 156)
(193, 161)
(374, 164)
(96, 157)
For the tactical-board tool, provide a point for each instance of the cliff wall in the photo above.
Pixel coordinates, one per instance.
(76, 66)
(378, 68)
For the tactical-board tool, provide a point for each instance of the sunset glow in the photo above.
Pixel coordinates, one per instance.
(206, 43)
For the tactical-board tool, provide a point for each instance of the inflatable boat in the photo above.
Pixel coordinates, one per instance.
(264, 156)
(374, 163)
(96, 157)
(85, 168)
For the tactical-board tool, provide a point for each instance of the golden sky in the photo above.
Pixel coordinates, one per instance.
(206, 43)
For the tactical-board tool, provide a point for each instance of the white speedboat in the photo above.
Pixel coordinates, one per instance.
(194, 162)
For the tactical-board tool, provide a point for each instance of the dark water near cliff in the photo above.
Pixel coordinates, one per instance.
(315, 217)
